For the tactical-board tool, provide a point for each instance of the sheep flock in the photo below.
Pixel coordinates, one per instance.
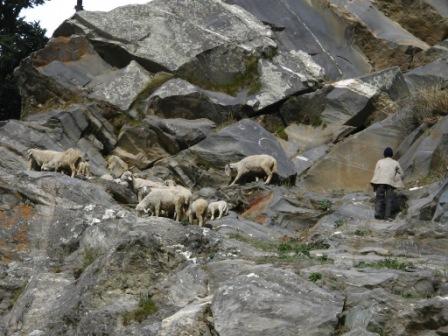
(155, 198)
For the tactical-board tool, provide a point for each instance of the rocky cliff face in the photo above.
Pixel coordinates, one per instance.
(176, 90)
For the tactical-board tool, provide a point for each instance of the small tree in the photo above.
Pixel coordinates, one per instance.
(18, 39)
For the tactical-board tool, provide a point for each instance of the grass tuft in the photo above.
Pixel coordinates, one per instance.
(386, 263)
(145, 308)
(315, 276)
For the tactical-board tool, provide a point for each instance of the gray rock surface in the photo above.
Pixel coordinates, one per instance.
(187, 27)
(179, 99)
(185, 132)
(120, 87)
(434, 73)
(301, 25)
(274, 301)
(302, 257)
(428, 153)
(234, 142)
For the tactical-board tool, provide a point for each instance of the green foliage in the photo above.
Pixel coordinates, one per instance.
(386, 263)
(339, 222)
(146, 307)
(324, 205)
(314, 277)
(361, 233)
(296, 248)
(18, 39)
(280, 132)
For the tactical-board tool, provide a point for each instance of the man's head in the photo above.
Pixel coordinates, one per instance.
(388, 152)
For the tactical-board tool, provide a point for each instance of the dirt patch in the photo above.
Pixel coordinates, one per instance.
(416, 17)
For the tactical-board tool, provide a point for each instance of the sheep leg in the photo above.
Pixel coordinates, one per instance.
(269, 174)
(177, 211)
(221, 210)
(190, 217)
(73, 169)
(200, 219)
(213, 214)
(157, 209)
(238, 176)
(30, 164)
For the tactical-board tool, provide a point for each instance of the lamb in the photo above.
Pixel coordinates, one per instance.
(161, 199)
(254, 163)
(68, 159)
(83, 169)
(221, 206)
(38, 157)
(198, 209)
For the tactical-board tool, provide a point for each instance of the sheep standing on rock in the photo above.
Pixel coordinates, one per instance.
(221, 206)
(254, 163)
(68, 159)
(198, 209)
(38, 157)
(162, 199)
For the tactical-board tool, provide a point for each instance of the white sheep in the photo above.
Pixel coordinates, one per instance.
(185, 192)
(83, 169)
(198, 209)
(141, 186)
(253, 163)
(221, 206)
(68, 159)
(38, 157)
(161, 199)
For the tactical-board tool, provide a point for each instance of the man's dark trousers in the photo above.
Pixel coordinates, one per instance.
(384, 201)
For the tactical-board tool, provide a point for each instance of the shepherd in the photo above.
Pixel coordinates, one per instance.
(386, 178)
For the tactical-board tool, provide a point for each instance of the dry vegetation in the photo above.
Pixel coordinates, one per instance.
(428, 105)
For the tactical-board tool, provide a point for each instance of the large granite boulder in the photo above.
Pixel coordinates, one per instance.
(260, 300)
(349, 165)
(237, 141)
(428, 154)
(302, 25)
(434, 73)
(166, 35)
(178, 98)
(347, 102)
(185, 132)
(120, 87)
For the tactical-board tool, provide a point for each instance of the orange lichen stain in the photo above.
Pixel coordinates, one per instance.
(14, 227)
(256, 208)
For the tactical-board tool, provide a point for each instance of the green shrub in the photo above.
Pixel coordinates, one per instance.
(324, 205)
(315, 277)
